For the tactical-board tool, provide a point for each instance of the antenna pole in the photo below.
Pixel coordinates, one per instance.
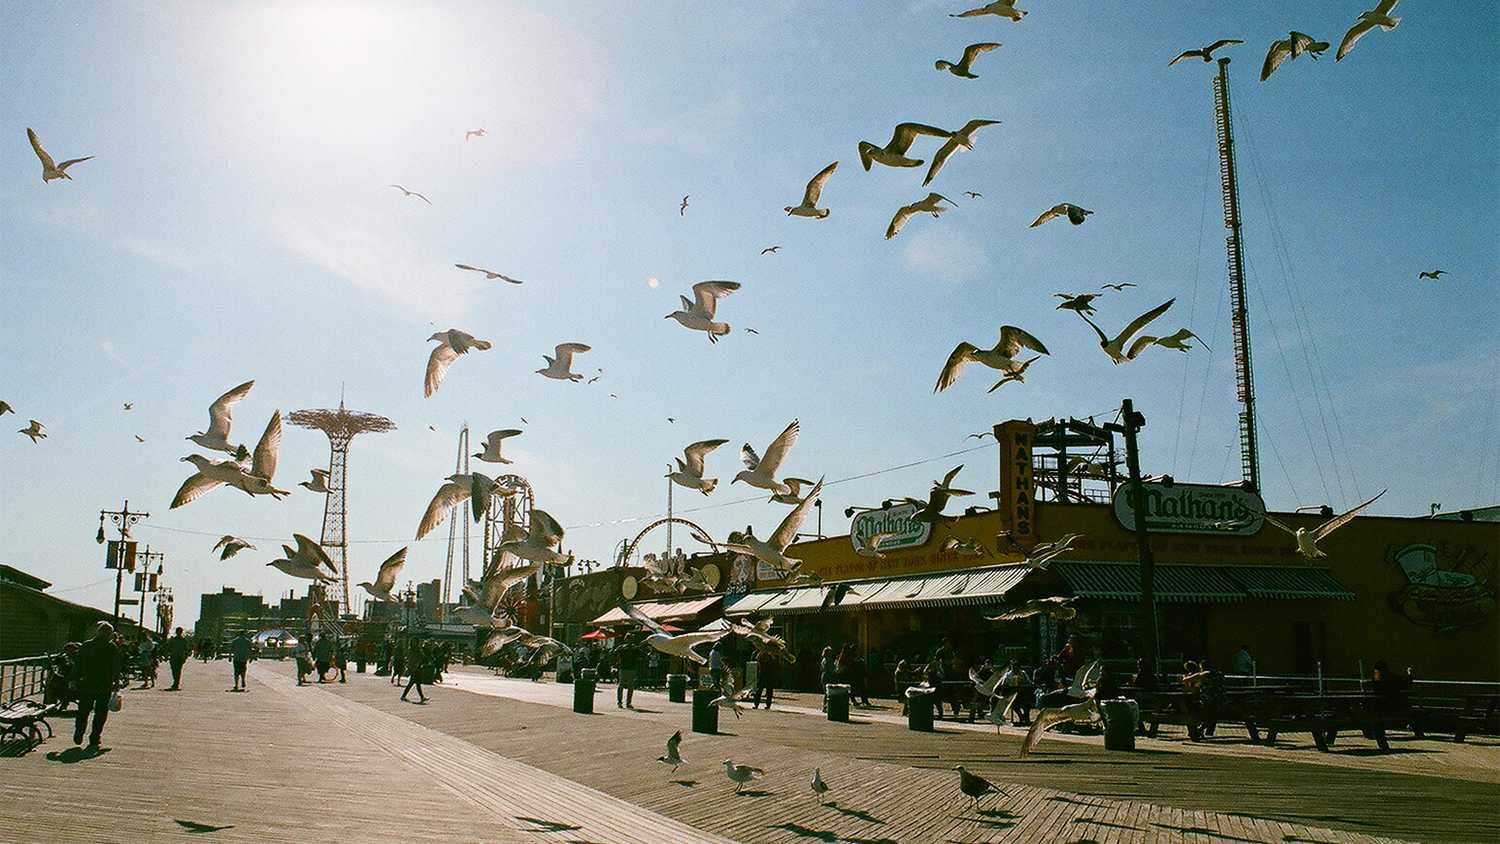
(1244, 384)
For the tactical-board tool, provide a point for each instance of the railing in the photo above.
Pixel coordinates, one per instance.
(23, 677)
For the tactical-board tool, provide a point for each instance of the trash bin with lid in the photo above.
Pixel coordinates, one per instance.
(919, 703)
(677, 688)
(837, 697)
(1119, 723)
(705, 717)
(583, 694)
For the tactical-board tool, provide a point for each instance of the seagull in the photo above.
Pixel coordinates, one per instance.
(194, 826)
(6, 408)
(1432, 275)
(1043, 553)
(1003, 8)
(974, 786)
(931, 510)
(1116, 348)
(542, 538)
(412, 193)
(682, 212)
(893, 154)
(34, 430)
(256, 478)
(775, 248)
(680, 645)
(451, 344)
(795, 496)
(928, 204)
(818, 786)
(1057, 607)
(1075, 214)
(1121, 286)
(1176, 341)
(968, 548)
(1001, 357)
(1084, 685)
(963, 138)
(1379, 16)
(730, 695)
(211, 473)
(835, 595)
(129, 405)
(761, 471)
(458, 489)
(699, 313)
(489, 275)
(690, 472)
(741, 774)
(810, 196)
(385, 581)
(474, 133)
(673, 758)
(309, 561)
(1206, 53)
(1080, 302)
(964, 64)
(51, 170)
(217, 435)
(491, 453)
(560, 367)
(1307, 540)
(772, 551)
(1019, 374)
(319, 482)
(232, 545)
(1290, 47)
(869, 546)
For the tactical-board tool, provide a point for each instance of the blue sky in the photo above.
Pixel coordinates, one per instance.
(236, 222)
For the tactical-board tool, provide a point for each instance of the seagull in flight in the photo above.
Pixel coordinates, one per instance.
(776, 248)
(760, 471)
(51, 170)
(490, 275)
(473, 486)
(1290, 47)
(699, 313)
(385, 581)
(1085, 684)
(1121, 286)
(1116, 348)
(217, 435)
(1205, 53)
(541, 540)
(680, 645)
(1307, 540)
(1176, 341)
(34, 430)
(560, 367)
(690, 472)
(772, 551)
(810, 197)
(931, 510)
(930, 205)
(251, 473)
(1056, 607)
(1432, 275)
(1079, 302)
(1074, 213)
(1002, 8)
(869, 546)
(474, 133)
(491, 453)
(682, 212)
(319, 482)
(893, 154)
(1379, 16)
(962, 68)
(1001, 357)
(963, 138)
(673, 757)
(451, 344)
(232, 545)
(412, 193)
(309, 561)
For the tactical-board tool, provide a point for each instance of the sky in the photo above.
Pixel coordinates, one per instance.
(236, 221)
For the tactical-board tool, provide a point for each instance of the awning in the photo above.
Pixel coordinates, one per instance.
(1288, 582)
(1188, 583)
(975, 586)
(659, 611)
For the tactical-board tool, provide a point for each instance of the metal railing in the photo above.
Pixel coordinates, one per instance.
(25, 677)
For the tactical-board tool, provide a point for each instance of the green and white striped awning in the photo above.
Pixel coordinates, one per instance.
(1194, 583)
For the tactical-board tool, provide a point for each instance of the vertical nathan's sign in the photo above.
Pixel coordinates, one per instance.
(1017, 483)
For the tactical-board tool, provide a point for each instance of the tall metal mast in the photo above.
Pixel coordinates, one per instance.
(459, 515)
(1244, 385)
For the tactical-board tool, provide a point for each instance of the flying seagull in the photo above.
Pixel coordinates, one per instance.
(1176, 341)
(1116, 348)
(474, 487)
(1121, 286)
(412, 193)
(1085, 710)
(680, 645)
(690, 472)
(775, 248)
(931, 510)
(451, 344)
(1307, 540)
(1080, 302)
(673, 757)
(1432, 275)
(974, 786)
(1018, 374)
(217, 435)
(256, 478)
(1043, 553)
(51, 170)
(474, 133)
(232, 545)
(741, 774)
(795, 496)
(869, 546)
(1294, 45)
(1056, 607)
(1205, 53)
(761, 472)
(560, 367)
(309, 561)
(810, 196)
(699, 313)
(962, 139)
(1002, 8)
(34, 430)
(385, 581)
(541, 540)
(893, 154)
(251, 473)
(772, 551)
(491, 453)
(1001, 357)
(1074, 213)
(682, 212)
(962, 68)
(906, 212)
(1379, 16)
(489, 275)
(319, 482)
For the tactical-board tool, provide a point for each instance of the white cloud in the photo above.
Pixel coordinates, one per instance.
(944, 254)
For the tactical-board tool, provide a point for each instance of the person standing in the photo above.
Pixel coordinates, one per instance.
(765, 678)
(1244, 663)
(177, 654)
(304, 662)
(97, 674)
(627, 662)
(323, 656)
(239, 654)
(716, 667)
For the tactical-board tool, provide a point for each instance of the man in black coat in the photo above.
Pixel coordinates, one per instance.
(96, 676)
(177, 654)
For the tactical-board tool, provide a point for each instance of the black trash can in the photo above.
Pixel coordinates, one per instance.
(837, 696)
(705, 717)
(677, 688)
(583, 695)
(919, 704)
(1119, 724)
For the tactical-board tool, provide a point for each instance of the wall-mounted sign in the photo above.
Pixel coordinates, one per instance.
(897, 519)
(1017, 481)
(1193, 508)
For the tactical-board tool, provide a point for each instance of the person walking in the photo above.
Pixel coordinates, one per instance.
(239, 655)
(304, 662)
(627, 659)
(177, 655)
(96, 676)
(417, 669)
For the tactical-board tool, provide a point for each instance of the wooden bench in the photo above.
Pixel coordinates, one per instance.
(1457, 715)
(24, 719)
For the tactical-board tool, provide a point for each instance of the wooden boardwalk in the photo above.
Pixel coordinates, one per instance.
(497, 760)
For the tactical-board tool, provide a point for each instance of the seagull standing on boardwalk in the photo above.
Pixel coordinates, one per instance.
(1307, 540)
(819, 787)
(699, 313)
(1001, 357)
(1379, 16)
(741, 774)
(1205, 53)
(1294, 45)
(385, 580)
(1074, 214)
(965, 63)
(51, 170)
(561, 367)
(219, 413)
(929, 204)
(451, 344)
(893, 154)
(810, 197)
(962, 139)
(974, 786)
(1116, 348)
(690, 472)
(491, 453)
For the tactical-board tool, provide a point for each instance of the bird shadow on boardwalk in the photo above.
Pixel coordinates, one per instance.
(854, 813)
(753, 793)
(685, 783)
(1204, 831)
(807, 832)
(869, 840)
(76, 754)
(547, 826)
(1104, 823)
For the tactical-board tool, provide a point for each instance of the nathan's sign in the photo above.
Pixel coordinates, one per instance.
(1192, 508)
(909, 533)
(1017, 482)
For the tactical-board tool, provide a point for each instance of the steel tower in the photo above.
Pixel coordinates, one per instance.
(1244, 385)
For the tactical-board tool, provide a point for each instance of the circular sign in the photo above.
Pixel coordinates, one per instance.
(628, 587)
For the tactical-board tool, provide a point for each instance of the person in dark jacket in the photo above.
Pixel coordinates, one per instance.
(96, 675)
(177, 654)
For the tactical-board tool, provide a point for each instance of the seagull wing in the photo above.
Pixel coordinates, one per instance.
(962, 354)
(1223, 42)
(814, 190)
(47, 162)
(448, 496)
(1140, 322)
(386, 580)
(948, 148)
(1185, 54)
(545, 530)
(1049, 718)
(697, 451)
(566, 351)
(749, 457)
(437, 366)
(1277, 523)
(645, 621)
(1012, 339)
(906, 212)
(770, 464)
(1354, 34)
(1280, 51)
(905, 133)
(786, 532)
(193, 488)
(1338, 521)
(706, 295)
(975, 49)
(1050, 214)
(219, 411)
(263, 464)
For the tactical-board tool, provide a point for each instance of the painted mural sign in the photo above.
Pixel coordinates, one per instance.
(1193, 508)
(1447, 587)
(897, 519)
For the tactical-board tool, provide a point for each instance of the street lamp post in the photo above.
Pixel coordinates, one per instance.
(123, 520)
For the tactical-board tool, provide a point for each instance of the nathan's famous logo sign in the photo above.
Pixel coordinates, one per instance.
(897, 520)
(1192, 508)
(1447, 586)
